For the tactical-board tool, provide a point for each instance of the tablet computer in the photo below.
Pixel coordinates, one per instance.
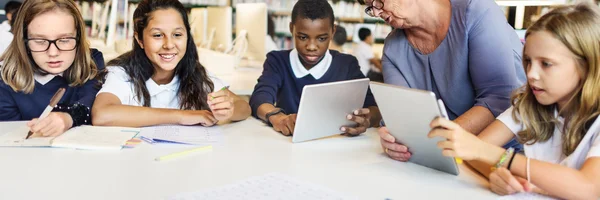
(324, 107)
(407, 114)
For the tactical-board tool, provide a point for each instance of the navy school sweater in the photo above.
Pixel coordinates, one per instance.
(279, 86)
(16, 106)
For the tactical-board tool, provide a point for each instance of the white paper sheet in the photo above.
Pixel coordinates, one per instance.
(184, 134)
(95, 138)
(83, 137)
(16, 138)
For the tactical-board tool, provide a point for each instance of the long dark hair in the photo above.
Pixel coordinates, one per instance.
(194, 84)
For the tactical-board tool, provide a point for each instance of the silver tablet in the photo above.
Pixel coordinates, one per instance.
(407, 114)
(324, 107)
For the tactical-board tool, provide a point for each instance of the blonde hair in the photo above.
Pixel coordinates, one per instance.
(578, 28)
(18, 68)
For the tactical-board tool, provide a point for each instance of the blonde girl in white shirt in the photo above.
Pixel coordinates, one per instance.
(554, 115)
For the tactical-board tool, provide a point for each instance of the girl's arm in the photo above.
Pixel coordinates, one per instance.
(557, 180)
(108, 111)
(496, 134)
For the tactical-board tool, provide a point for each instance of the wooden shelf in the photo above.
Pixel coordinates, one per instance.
(281, 13)
(350, 19)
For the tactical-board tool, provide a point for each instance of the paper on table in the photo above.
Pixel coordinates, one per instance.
(16, 138)
(95, 137)
(83, 137)
(269, 186)
(526, 196)
(184, 134)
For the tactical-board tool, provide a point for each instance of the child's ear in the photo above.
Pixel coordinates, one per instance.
(135, 35)
(291, 28)
(333, 29)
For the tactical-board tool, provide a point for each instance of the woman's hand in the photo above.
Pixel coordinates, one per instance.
(391, 148)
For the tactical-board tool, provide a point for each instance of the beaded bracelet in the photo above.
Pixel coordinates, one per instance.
(78, 112)
(503, 159)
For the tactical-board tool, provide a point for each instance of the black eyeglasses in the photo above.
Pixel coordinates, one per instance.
(62, 44)
(377, 4)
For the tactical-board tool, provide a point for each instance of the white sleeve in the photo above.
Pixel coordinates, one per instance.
(595, 142)
(367, 52)
(217, 82)
(117, 83)
(507, 119)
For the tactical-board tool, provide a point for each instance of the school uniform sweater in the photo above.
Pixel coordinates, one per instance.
(20, 106)
(280, 86)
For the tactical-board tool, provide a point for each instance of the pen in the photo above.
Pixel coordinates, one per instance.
(223, 88)
(445, 115)
(179, 154)
(55, 99)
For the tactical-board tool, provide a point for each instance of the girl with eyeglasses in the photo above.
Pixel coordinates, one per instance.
(49, 52)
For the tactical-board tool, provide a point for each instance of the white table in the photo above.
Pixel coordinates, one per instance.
(355, 166)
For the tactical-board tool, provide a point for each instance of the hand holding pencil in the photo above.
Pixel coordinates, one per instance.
(221, 103)
(50, 124)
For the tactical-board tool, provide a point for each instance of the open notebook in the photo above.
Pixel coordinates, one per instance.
(82, 137)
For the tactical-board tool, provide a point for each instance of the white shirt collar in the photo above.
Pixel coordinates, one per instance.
(317, 71)
(154, 88)
(43, 79)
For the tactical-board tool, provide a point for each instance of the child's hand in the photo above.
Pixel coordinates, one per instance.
(459, 143)
(503, 182)
(55, 124)
(283, 123)
(221, 104)
(193, 117)
(362, 117)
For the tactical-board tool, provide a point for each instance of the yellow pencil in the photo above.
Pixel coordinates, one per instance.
(179, 154)
(458, 161)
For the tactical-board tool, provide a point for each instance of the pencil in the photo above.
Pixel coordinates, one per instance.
(183, 153)
(55, 99)
(223, 88)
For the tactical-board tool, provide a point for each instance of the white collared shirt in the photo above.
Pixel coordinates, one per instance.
(551, 150)
(161, 96)
(317, 71)
(364, 54)
(43, 79)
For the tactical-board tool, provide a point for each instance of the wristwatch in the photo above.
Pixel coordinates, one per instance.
(274, 112)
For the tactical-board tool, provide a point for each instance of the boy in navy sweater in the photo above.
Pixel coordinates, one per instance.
(277, 93)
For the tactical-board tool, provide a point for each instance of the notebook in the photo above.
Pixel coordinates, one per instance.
(82, 137)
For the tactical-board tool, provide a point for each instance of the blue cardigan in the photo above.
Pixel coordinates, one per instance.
(16, 106)
(279, 85)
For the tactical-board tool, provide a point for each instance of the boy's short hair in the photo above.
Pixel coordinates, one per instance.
(12, 6)
(363, 33)
(340, 36)
(313, 9)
